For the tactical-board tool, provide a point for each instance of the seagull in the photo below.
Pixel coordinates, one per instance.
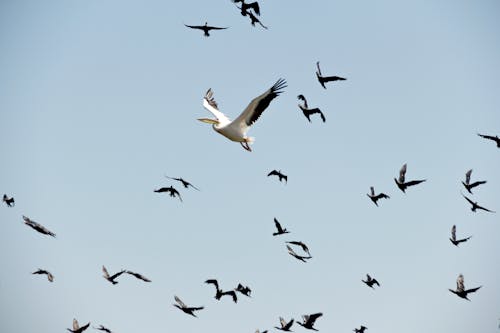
(489, 137)
(302, 245)
(299, 257)
(102, 328)
(236, 130)
(375, 198)
(77, 328)
(401, 181)
(8, 201)
(468, 185)
(284, 325)
(280, 231)
(219, 293)
(50, 277)
(360, 330)
(246, 6)
(112, 277)
(279, 175)
(185, 183)
(323, 79)
(307, 112)
(172, 191)
(206, 28)
(453, 238)
(309, 320)
(138, 276)
(186, 309)
(461, 292)
(244, 290)
(370, 281)
(38, 227)
(476, 206)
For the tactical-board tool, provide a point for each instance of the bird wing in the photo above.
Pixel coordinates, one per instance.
(114, 276)
(255, 7)
(50, 277)
(480, 182)
(467, 176)
(319, 69)
(469, 200)
(372, 190)
(333, 78)
(75, 324)
(259, 104)
(402, 173)
(214, 282)
(210, 104)
(312, 317)
(415, 182)
(453, 233)
(291, 251)
(485, 209)
(473, 290)
(216, 28)
(278, 225)
(181, 303)
(487, 137)
(273, 173)
(105, 271)
(195, 26)
(460, 283)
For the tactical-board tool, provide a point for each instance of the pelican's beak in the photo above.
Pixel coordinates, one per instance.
(209, 121)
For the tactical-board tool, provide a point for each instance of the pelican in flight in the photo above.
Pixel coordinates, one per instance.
(236, 130)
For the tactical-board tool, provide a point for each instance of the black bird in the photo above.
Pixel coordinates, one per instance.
(185, 183)
(461, 292)
(299, 257)
(280, 231)
(50, 277)
(284, 325)
(10, 202)
(476, 206)
(308, 112)
(186, 309)
(138, 276)
(102, 328)
(302, 245)
(453, 238)
(370, 281)
(309, 320)
(401, 181)
(77, 328)
(206, 28)
(374, 197)
(112, 277)
(322, 79)
(489, 137)
(253, 20)
(172, 191)
(38, 227)
(245, 7)
(360, 330)
(279, 174)
(245, 290)
(219, 293)
(468, 185)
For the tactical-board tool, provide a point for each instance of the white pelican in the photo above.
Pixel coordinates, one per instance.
(236, 130)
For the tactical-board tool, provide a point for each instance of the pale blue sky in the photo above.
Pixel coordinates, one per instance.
(99, 99)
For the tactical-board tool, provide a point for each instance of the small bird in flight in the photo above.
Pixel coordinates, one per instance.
(102, 328)
(298, 257)
(322, 79)
(284, 325)
(453, 238)
(186, 309)
(489, 137)
(308, 112)
(38, 227)
(206, 28)
(219, 293)
(360, 330)
(112, 277)
(77, 328)
(461, 292)
(50, 277)
(302, 245)
(370, 281)
(309, 320)
(468, 186)
(279, 175)
(8, 201)
(476, 206)
(172, 191)
(185, 183)
(246, 7)
(374, 197)
(245, 290)
(280, 230)
(400, 182)
(138, 276)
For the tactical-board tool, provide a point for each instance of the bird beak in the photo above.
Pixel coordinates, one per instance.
(208, 121)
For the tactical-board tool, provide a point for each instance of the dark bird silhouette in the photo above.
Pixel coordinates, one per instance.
(489, 137)
(308, 112)
(453, 238)
(370, 281)
(279, 175)
(185, 183)
(246, 7)
(38, 227)
(77, 328)
(10, 202)
(172, 191)
(219, 293)
(284, 325)
(467, 183)
(302, 245)
(245, 290)
(112, 277)
(280, 231)
(375, 198)
(360, 330)
(461, 292)
(400, 182)
(186, 309)
(309, 320)
(476, 206)
(206, 28)
(299, 257)
(322, 79)
(253, 20)
(102, 328)
(50, 277)
(138, 276)
(257, 331)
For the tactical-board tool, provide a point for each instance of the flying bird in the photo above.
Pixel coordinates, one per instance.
(206, 28)
(38, 227)
(50, 277)
(467, 184)
(302, 245)
(236, 130)
(138, 276)
(299, 257)
(370, 281)
(77, 328)
(246, 7)
(253, 20)
(186, 309)
(172, 191)
(245, 290)
(185, 183)
(10, 202)
(476, 206)
(307, 111)
(309, 320)
(279, 175)
(489, 137)
(322, 79)
(219, 293)
(461, 292)
(284, 325)
(400, 182)
(112, 277)
(360, 330)
(280, 230)
(377, 197)
(453, 238)
(102, 328)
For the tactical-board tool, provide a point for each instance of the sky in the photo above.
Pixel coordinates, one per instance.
(99, 101)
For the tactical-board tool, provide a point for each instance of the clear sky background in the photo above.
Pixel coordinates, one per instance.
(99, 100)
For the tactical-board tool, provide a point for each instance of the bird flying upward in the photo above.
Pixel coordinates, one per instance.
(10, 202)
(285, 326)
(377, 197)
(400, 182)
(309, 320)
(323, 79)
(186, 309)
(245, 290)
(206, 28)
(461, 291)
(468, 185)
(453, 238)
(77, 328)
(112, 277)
(280, 230)
(370, 281)
(307, 111)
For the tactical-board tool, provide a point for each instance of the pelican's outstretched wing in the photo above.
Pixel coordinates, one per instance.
(210, 104)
